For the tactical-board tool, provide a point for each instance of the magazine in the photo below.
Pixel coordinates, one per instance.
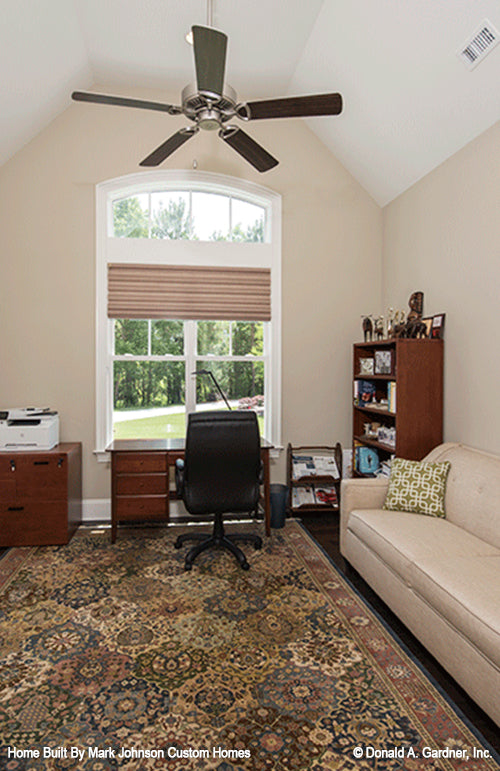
(326, 494)
(314, 465)
(303, 496)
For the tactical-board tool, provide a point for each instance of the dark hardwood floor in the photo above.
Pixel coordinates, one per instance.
(325, 530)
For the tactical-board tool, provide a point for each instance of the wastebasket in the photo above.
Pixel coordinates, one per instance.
(278, 494)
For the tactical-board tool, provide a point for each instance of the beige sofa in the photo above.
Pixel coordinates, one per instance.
(440, 576)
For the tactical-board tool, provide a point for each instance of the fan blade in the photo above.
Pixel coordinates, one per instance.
(123, 101)
(292, 107)
(169, 146)
(210, 59)
(248, 148)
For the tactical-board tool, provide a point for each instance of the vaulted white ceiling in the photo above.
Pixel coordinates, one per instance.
(409, 101)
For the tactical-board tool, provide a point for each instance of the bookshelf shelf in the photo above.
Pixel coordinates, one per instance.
(411, 391)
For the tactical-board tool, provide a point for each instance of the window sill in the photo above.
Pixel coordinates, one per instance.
(102, 456)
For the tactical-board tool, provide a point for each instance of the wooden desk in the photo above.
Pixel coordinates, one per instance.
(140, 479)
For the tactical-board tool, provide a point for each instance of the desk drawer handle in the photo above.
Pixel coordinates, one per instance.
(40, 462)
(15, 508)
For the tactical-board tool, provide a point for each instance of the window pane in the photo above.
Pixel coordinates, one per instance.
(131, 217)
(149, 400)
(167, 337)
(248, 338)
(213, 338)
(248, 221)
(242, 382)
(131, 336)
(170, 216)
(210, 217)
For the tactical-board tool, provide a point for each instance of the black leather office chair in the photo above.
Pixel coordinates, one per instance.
(221, 473)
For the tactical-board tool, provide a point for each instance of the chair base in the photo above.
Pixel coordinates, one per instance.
(218, 539)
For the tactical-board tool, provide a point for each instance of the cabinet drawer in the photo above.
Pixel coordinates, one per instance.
(140, 462)
(141, 507)
(141, 484)
(8, 488)
(42, 477)
(27, 523)
(7, 466)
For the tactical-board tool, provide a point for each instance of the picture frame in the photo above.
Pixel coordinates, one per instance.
(383, 362)
(437, 328)
(366, 366)
(428, 325)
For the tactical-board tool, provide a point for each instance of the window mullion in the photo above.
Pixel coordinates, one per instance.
(190, 352)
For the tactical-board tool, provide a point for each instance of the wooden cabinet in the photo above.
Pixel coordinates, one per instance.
(398, 399)
(40, 496)
(313, 491)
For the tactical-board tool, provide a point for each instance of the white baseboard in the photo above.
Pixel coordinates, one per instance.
(96, 509)
(99, 510)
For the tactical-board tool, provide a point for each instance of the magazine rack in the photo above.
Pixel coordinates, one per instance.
(313, 474)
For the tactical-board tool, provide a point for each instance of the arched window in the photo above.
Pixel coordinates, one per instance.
(188, 279)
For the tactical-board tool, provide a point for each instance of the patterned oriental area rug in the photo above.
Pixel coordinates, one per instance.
(114, 657)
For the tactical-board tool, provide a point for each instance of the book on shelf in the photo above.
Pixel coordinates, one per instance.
(314, 466)
(364, 392)
(310, 495)
(391, 396)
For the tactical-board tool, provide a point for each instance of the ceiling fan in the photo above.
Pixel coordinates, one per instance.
(210, 105)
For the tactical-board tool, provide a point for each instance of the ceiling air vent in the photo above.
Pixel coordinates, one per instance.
(484, 40)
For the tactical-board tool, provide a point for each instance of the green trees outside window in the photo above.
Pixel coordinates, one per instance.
(186, 215)
(153, 366)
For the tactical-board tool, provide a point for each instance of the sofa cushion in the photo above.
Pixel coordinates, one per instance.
(472, 489)
(400, 538)
(417, 486)
(465, 590)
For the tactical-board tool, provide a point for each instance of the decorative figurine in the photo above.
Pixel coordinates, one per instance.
(379, 328)
(390, 321)
(367, 326)
(414, 326)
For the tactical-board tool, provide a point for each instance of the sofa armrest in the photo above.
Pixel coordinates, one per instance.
(360, 494)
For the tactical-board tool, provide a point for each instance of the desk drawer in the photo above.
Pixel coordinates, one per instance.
(27, 523)
(141, 484)
(140, 462)
(141, 507)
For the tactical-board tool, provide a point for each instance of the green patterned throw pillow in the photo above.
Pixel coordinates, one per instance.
(417, 486)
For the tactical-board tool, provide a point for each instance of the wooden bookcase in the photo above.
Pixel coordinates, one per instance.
(416, 372)
(316, 480)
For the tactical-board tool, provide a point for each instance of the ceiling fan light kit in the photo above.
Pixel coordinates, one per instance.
(210, 104)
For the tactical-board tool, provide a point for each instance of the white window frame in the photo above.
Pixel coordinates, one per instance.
(110, 249)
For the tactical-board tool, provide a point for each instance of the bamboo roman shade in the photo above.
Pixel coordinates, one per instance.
(188, 292)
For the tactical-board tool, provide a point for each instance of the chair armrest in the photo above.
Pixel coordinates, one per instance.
(360, 494)
(179, 477)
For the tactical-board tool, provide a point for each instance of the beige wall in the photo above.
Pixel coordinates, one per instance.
(443, 237)
(332, 236)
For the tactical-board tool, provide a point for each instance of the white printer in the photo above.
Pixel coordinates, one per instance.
(29, 428)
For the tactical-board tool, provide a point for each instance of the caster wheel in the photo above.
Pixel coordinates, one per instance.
(178, 544)
(258, 545)
(188, 566)
(245, 566)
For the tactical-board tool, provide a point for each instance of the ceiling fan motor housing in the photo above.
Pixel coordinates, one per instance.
(209, 112)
